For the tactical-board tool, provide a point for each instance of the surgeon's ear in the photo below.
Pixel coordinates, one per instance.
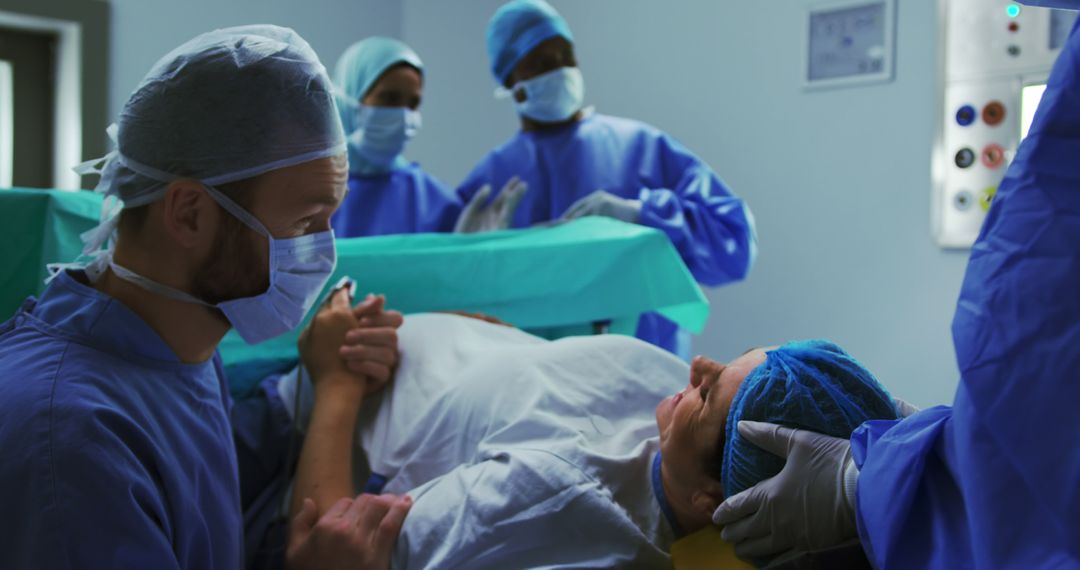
(189, 213)
(705, 500)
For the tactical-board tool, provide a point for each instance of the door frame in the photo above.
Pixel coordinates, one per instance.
(82, 29)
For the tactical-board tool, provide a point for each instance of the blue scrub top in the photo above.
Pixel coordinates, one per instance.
(711, 228)
(404, 200)
(994, 480)
(115, 453)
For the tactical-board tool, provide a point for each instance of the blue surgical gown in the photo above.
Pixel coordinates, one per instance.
(994, 480)
(115, 453)
(404, 200)
(711, 228)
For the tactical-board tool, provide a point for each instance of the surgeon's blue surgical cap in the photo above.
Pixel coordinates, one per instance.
(812, 385)
(361, 66)
(518, 27)
(227, 105)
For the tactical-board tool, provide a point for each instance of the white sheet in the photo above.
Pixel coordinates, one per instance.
(520, 452)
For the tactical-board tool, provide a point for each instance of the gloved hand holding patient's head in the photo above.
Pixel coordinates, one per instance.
(812, 385)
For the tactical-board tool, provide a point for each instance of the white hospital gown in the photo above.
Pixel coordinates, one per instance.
(520, 452)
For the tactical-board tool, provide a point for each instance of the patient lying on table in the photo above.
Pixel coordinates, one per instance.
(522, 452)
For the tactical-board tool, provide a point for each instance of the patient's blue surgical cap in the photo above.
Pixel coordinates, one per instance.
(227, 105)
(361, 66)
(518, 27)
(812, 385)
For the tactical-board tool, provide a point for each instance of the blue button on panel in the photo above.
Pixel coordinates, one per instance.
(966, 115)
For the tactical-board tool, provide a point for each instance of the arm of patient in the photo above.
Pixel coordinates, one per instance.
(324, 472)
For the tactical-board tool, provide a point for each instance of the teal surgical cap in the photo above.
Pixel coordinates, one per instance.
(361, 66)
(365, 61)
(812, 385)
(516, 29)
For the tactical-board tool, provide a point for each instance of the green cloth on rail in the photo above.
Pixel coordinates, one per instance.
(39, 227)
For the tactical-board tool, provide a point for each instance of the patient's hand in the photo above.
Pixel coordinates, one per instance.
(319, 347)
(355, 534)
(371, 348)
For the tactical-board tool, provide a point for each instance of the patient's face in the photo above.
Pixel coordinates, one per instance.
(692, 421)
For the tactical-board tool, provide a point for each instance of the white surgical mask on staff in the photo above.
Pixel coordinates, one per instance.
(551, 97)
(383, 132)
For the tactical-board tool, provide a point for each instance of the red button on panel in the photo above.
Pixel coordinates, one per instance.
(1014, 27)
(993, 156)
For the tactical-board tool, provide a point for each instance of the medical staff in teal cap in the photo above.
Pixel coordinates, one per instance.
(575, 162)
(380, 88)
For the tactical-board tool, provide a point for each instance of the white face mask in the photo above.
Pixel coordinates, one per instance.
(551, 97)
(382, 133)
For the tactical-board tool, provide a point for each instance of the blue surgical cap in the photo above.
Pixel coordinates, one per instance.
(226, 105)
(516, 29)
(812, 385)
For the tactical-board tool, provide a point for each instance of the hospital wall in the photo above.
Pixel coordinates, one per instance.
(838, 180)
(145, 30)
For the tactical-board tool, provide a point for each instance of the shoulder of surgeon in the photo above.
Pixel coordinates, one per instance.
(409, 175)
(635, 133)
(513, 157)
(65, 395)
(618, 133)
(73, 453)
(424, 180)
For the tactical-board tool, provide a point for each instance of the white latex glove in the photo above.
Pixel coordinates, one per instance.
(808, 506)
(479, 216)
(604, 203)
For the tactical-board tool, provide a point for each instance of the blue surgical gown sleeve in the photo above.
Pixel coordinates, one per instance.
(405, 200)
(711, 227)
(992, 482)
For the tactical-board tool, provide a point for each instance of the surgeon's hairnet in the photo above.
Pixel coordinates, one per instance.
(811, 385)
(518, 27)
(227, 105)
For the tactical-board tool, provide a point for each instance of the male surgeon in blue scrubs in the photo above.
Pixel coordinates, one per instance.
(577, 163)
(992, 481)
(380, 85)
(114, 412)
